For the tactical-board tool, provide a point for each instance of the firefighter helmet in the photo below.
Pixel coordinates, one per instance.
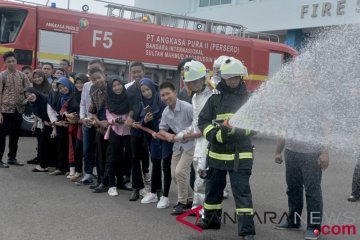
(193, 71)
(219, 61)
(232, 67)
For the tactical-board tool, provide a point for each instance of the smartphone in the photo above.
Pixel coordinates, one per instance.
(147, 109)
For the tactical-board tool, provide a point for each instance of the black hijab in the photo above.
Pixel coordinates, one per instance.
(45, 87)
(54, 100)
(117, 103)
(157, 106)
(75, 99)
(39, 107)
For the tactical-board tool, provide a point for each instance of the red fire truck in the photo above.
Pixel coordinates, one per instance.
(45, 34)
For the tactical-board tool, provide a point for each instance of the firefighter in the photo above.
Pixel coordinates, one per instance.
(230, 151)
(216, 70)
(215, 80)
(195, 80)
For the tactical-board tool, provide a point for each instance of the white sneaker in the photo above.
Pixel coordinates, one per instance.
(70, 175)
(147, 178)
(163, 203)
(113, 192)
(143, 192)
(149, 198)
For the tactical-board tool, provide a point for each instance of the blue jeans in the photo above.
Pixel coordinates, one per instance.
(89, 149)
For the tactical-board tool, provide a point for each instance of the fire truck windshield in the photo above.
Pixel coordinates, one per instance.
(11, 21)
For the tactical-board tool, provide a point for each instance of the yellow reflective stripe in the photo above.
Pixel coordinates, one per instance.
(224, 116)
(230, 157)
(218, 137)
(245, 210)
(247, 132)
(6, 49)
(218, 156)
(256, 77)
(212, 206)
(208, 129)
(53, 56)
(246, 155)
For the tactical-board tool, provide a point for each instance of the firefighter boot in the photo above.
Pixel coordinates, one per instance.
(211, 221)
(203, 224)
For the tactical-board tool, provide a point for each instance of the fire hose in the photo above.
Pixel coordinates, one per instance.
(158, 135)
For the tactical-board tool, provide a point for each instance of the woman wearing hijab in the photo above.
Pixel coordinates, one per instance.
(118, 133)
(60, 93)
(150, 117)
(38, 104)
(70, 111)
(40, 84)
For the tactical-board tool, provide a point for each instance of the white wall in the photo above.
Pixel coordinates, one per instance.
(264, 15)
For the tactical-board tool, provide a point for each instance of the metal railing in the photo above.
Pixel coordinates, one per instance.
(183, 22)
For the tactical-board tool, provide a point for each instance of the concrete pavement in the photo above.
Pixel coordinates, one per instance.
(36, 206)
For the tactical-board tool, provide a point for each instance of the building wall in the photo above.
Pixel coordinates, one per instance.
(266, 15)
(170, 6)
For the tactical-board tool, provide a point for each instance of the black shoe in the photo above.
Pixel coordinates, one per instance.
(14, 161)
(94, 186)
(203, 224)
(248, 237)
(84, 182)
(3, 165)
(286, 226)
(101, 189)
(179, 209)
(352, 198)
(189, 204)
(135, 195)
(33, 161)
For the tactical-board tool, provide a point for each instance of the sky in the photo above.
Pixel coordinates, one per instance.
(95, 7)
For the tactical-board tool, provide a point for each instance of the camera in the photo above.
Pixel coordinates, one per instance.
(119, 121)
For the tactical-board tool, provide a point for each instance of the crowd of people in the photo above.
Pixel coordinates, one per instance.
(93, 120)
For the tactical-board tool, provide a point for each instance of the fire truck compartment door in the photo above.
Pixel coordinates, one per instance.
(275, 62)
(54, 46)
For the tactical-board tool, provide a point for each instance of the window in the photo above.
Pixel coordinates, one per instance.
(206, 3)
(11, 21)
(214, 2)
